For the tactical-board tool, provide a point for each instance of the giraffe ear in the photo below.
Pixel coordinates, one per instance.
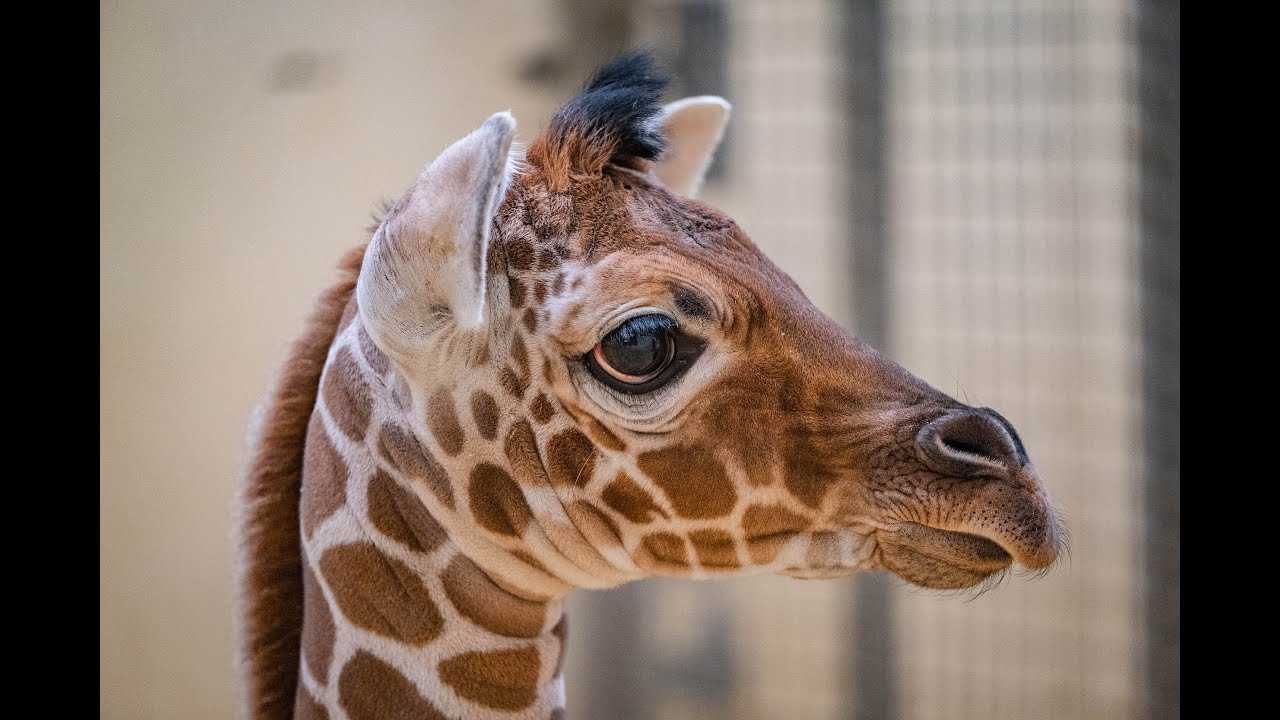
(693, 128)
(426, 263)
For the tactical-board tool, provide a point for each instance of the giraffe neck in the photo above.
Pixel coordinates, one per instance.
(403, 618)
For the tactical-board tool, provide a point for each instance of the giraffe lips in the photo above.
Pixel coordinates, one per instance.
(952, 547)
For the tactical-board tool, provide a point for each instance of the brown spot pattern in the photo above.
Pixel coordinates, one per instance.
(401, 516)
(531, 560)
(370, 689)
(539, 291)
(631, 501)
(520, 254)
(317, 627)
(530, 319)
(517, 291)
(484, 603)
(496, 501)
(542, 409)
(571, 458)
(715, 548)
(403, 451)
(767, 528)
(346, 395)
(520, 354)
(666, 548)
(305, 707)
(324, 477)
(602, 435)
(400, 393)
(512, 383)
(442, 420)
(595, 523)
(380, 594)
(692, 479)
(502, 679)
(378, 360)
(522, 450)
(484, 410)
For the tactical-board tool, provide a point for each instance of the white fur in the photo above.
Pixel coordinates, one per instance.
(694, 127)
(426, 264)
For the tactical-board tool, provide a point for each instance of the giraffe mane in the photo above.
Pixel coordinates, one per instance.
(268, 547)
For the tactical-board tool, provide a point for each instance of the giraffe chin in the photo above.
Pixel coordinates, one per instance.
(818, 573)
(941, 559)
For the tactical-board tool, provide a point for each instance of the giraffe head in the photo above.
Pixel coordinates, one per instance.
(607, 378)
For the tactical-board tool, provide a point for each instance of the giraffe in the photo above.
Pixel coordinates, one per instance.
(564, 372)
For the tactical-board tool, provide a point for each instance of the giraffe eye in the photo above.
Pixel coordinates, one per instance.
(642, 354)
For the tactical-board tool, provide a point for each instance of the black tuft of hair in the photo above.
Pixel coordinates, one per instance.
(613, 116)
(621, 102)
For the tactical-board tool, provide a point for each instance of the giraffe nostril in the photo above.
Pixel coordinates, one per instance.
(970, 441)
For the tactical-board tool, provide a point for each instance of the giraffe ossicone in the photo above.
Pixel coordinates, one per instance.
(562, 371)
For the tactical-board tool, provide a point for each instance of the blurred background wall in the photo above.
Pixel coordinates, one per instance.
(987, 190)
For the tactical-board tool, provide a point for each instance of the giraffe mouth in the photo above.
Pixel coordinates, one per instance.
(937, 558)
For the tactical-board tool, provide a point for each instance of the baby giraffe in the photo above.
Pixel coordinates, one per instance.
(564, 372)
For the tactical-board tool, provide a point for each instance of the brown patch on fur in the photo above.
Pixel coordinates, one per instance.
(401, 516)
(715, 549)
(512, 383)
(542, 409)
(501, 679)
(403, 451)
(530, 319)
(558, 284)
(370, 689)
(632, 501)
(601, 434)
(572, 458)
(401, 395)
(305, 707)
(546, 371)
(767, 528)
(317, 627)
(484, 603)
(496, 501)
(346, 395)
(693, 480)
(517, 291)
(519, 254)
(546, 261)
(324, 475)
(665, 548)
(270, 551)
(378, 360)
(561, 631)
(530, 560)
(442, 420)
(595, 523)
(484, 410)
(380, 594)
(539, 291)
(521, 355)
(521, 448)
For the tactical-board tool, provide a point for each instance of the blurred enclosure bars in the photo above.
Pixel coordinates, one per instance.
(989, 192)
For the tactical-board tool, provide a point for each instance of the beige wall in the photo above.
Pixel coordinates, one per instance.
(225, 204)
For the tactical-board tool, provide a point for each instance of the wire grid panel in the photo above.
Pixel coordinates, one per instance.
(1012, 222)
